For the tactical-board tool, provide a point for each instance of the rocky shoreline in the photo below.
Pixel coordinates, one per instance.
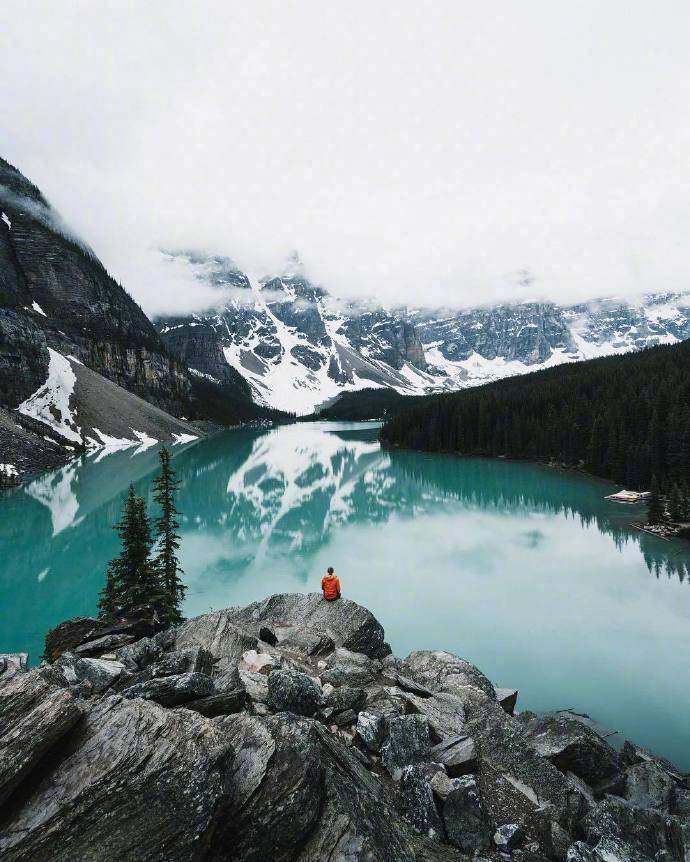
(286, 730)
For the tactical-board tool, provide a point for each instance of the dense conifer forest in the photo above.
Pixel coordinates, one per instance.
(624, 418)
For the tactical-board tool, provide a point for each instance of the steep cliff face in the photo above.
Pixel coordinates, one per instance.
(55, 292)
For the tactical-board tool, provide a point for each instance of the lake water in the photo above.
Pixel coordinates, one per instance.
(527, 572)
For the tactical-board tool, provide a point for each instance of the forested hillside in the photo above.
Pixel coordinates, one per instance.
(625, 418)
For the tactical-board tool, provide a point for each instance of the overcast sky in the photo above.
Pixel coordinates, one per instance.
(418, 151)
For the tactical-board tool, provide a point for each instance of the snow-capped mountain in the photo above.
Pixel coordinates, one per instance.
(298, 346)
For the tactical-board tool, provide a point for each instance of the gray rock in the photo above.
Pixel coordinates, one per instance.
(409, 685)
(69, 634)
(34, 716)
(12, 663)
(443, 671)
(507, 697)
(445, 713)
(347, 716)
(136, 782)
(371, 729)
(580, 852)
(99, 673)
(172, 690)
(347, 624)
(256, 685)
(407, 742)
(508, 836)
(458, 755)
(145, 651)
(303, 640)
(350, 675)
(572, 747)
(107, 643)
(217, 633)
(225, 703)
(616, 829)
(189, 660)
(650, 786)
(417, 803)
(293, 692)
(330, 806)
(464, 818)
(344, 698)
(228, 680)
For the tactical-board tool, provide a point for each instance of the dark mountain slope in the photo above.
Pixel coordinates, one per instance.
(55, 292)
(625, 418)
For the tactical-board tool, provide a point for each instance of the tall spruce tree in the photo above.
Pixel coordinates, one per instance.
(655, 504)
(675, 505)
(168, 540)
(132, 579)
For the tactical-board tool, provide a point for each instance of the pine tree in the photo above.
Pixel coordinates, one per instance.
(168, 540)
(132, 579)
(675, 505)
(655, 508)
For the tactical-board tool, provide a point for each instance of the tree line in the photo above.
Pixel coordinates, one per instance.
(624, 418)
(147, 570)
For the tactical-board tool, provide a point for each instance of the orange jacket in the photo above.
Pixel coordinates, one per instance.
(331, 587)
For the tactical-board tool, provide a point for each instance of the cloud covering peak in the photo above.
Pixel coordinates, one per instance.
(421, 152)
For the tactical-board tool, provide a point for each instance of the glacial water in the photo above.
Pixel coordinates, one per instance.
(526, 571)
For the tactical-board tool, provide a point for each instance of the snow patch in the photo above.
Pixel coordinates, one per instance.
(50, 403)
(9, 470)
(37, 308)
(7, 221)
(183, 438)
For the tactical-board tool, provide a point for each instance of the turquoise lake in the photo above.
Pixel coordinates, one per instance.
(526, 571)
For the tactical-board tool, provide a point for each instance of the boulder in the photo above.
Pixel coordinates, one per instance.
(342, 719)
(172, 690)
(507, 697)
(616, 829)
(293, 692)
(256, 685)
(407, 742)
(443, 671)
(572, 747)
(513, 779)
(330, 805)
(509, 836)
(371, 729)
(225, 703)
(217, 633)
(34, 716)
(69, 634)
(347, 624)
(145, 651)
(136, 782)
(99, 645)
(457, 754)
(101, 674)
(12, 663)
(417, 803)
(311, 643)
(408, 685)
(192, 659)
(351, 675)
(257, 662)
(466, 823)
(649, 786)
(344, 698)
(445, 713)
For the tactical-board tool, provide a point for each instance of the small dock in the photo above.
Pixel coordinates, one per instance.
(628, 496)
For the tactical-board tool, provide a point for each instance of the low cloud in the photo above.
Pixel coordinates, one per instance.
(425, 154)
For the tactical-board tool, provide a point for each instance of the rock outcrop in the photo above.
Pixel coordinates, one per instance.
(287, 731)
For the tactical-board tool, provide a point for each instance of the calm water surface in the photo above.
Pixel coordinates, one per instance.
(527, 572)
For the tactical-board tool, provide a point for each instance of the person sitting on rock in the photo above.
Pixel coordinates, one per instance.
(330, 585)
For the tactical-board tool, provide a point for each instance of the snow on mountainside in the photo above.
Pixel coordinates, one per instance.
(298, 347)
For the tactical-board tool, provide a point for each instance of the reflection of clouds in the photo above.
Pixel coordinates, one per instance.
(531, 538)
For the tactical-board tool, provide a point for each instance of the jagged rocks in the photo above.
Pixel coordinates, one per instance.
(507, 697)
(98, 673)
(371, 729)
(407, 742)
(34, 716)
(445, 713)
(136, 782)
(68, 635)
(189, 660)
(345, 698)
(509, 836)
(295, 692)
(225, 703)
(257, 662)
(464, 818)
(172, 690)
(649, 786)
(457, 754)
(101, 645)
(572, 747)
(443, 671)
(417, 802)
